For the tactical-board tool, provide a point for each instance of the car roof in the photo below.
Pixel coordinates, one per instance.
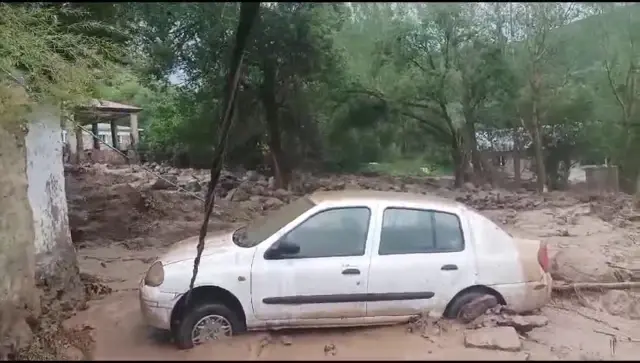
(390, 196)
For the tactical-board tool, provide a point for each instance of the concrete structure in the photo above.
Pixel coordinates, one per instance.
(99, 111)
(498, 147)
(35, 243)
(46, 192)
(123, 137)
(601, 178)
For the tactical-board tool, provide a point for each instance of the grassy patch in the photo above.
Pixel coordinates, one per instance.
(406, 167)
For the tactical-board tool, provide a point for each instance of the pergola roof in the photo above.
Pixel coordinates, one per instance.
(104, 111)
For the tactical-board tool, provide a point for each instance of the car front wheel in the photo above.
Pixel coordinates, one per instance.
(206, 322)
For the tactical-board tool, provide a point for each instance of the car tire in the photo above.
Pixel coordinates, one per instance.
(459, 303)
(184, 329)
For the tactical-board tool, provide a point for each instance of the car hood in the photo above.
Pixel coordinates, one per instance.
(186, 249)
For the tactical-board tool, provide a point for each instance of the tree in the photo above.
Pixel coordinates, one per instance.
(536, 22)
(620, 63)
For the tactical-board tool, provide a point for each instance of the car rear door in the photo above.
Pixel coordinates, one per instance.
(421, 259)
(327, 279)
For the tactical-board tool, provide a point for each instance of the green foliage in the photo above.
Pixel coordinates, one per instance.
(345, 84)
(56, 62)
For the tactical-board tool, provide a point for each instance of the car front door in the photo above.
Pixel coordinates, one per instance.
(326, 278)
(420, 261)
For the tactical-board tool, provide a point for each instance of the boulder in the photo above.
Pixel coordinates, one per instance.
(500, 338)
(272, 203)
(167, 182)
(193, 186)
(522, 324)
(237, 195)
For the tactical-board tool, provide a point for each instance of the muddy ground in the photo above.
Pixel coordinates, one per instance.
(122, 218)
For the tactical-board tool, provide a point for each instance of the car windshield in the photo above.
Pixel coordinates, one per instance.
(262, 228)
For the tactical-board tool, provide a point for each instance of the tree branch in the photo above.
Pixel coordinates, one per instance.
(607, 67)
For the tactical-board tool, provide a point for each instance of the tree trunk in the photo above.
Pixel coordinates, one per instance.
(537, 145)
(459, 162)
(535, 125)
(517, 168)
(472, 142)
(282, 172)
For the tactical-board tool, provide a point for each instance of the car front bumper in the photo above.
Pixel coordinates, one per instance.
(156, 306)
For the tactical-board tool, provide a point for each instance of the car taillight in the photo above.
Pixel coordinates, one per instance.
(543, 257)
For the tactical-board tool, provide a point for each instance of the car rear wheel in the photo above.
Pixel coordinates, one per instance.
(457, 307)
(204, 323)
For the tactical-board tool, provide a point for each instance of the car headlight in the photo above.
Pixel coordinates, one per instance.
(155, 275)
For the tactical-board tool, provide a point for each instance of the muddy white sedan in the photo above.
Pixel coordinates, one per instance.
(343, 258)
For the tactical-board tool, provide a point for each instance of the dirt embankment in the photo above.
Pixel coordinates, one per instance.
(123, 218)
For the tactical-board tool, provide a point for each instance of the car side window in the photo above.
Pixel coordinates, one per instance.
(406, 231)
(332, 233)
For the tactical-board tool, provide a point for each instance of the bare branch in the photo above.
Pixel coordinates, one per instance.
(607, 67)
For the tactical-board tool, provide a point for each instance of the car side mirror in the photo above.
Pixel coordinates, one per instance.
(287, 247)
(282, 247)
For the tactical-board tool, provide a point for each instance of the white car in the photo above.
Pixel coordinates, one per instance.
(341, 259)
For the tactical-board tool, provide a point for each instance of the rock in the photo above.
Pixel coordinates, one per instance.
(257, 190)
(271, 183)
(252, 175)
(617, 302)
(469, 187)
(273, 203)
(286, 340)
(165, 183)
(281, 194)
(227, 182)
(578, 264)
(501, 338)
(523, 324)
(193, 186)
(477, 307)
(73, 353)
(238, 195)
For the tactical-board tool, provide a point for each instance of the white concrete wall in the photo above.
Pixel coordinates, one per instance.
(46, 189)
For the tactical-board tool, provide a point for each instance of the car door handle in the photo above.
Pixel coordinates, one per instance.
(449, 267)
(351, 271)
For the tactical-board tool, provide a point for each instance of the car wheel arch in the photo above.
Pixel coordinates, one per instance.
(209, 294)
(478, 289)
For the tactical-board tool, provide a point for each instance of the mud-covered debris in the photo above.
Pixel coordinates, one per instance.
(500, 316)
(166, 182)
(286, 340)
(522, 324)
(500, 338)
(477, 307)
(330, 349)
(94, 288)
(193, 186)
(621, 303)
(419, 323)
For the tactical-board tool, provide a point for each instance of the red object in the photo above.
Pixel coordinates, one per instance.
(543, 257)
